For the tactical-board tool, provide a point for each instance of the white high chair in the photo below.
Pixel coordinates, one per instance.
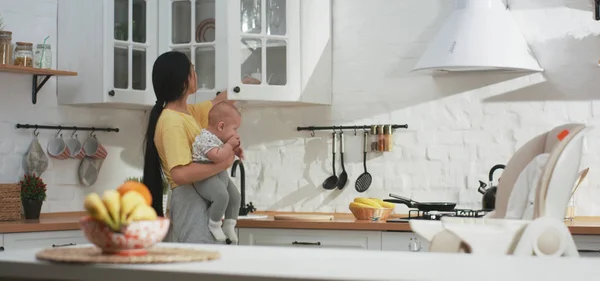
(546, 234)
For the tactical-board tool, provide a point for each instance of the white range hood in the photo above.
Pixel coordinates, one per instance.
(479, 35)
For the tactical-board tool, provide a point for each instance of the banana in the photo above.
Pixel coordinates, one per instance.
(360, 205)
(129, 201)
(384, 204)
(367, 201)
(141, 213)
(112, 201)
(93, 204)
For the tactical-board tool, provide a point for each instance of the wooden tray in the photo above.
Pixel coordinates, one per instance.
(304, 217)
(155, 255)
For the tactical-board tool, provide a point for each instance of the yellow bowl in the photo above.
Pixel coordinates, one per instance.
(372, 214)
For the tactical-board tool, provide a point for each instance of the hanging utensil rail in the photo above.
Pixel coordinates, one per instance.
(68, 128)
(361, 127)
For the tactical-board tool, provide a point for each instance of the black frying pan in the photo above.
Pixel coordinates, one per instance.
(421, 206)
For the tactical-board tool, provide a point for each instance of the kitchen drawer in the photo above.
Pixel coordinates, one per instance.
(403, 241)
(588, 243)
(44, 239)
(345, 239)
(1, 243)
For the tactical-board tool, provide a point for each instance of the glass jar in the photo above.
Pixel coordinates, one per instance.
(43, 56)
(6, 47)
(24, 54)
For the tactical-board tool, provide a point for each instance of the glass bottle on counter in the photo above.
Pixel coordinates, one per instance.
(24, 54)
(43, 56)
(6, 53)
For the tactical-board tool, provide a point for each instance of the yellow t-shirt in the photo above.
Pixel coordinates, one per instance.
(175, 133)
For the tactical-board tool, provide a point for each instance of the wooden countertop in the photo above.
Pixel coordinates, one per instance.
(341, 221)
(47, 222)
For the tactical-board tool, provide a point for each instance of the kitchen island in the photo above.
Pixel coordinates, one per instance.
(277, 263)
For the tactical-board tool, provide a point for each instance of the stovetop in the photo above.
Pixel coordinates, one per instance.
(437, 215)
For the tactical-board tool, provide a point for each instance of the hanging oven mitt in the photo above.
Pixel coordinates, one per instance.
(35, 160)
(89, 170)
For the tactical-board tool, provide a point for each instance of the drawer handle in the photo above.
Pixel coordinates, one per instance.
(1, 249)
(307, 243)
(63, 245)
(588, 251)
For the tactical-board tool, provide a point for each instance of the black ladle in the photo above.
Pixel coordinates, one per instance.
(364, 180)
(343, 178)
(331, 182)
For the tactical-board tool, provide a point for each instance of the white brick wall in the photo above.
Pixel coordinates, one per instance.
(31, 21)
(459, 125)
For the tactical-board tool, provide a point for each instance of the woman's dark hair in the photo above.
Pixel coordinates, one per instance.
(170, 76)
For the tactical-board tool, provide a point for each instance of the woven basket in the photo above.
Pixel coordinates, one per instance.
(369, 213)
(10, 202)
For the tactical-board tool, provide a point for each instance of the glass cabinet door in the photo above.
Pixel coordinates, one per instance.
(264, 45)
(192, 31)
(134, 47)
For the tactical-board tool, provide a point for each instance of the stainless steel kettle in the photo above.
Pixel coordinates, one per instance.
(488, 202)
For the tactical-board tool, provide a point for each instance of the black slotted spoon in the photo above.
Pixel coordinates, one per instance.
(331, 182)
(363, 182)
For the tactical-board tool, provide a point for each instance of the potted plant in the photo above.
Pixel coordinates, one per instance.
(33, 195)
(165, 186)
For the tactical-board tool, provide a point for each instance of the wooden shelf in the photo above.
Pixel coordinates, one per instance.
(36, 72)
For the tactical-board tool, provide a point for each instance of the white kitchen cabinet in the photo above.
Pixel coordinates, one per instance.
(44, 239)
(403, 241)
(367, 240)
(112, 44)
(1, 243)
(285, 45)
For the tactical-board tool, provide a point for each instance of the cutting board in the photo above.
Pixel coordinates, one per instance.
(304, 217)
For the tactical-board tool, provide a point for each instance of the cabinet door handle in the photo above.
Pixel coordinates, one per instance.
(588, 251)
(307, 243)
(1, 248)
(63, 245)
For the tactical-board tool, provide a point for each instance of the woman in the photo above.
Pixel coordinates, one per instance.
(172, 127)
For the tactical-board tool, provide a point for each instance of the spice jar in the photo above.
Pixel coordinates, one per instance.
(380, 138)
(374, 139)
(6, 47)
(24, 54)
(389, 140)
(43, 56)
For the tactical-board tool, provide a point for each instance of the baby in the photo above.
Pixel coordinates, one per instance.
(215, 144)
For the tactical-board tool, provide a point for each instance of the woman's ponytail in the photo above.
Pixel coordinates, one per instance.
(152, 168)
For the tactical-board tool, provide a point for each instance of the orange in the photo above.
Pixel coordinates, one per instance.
(137, 187)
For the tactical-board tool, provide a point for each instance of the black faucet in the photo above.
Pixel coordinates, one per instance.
(245, 209)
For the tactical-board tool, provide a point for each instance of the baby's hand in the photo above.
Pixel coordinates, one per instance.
(239, 152)
(234, 141)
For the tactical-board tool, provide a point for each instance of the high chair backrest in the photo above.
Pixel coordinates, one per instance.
(561, 171)
(543, 143)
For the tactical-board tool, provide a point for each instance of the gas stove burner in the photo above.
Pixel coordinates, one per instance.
(415, 214)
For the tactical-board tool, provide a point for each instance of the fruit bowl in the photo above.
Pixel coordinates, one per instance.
(372, 214)
(133, 239)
